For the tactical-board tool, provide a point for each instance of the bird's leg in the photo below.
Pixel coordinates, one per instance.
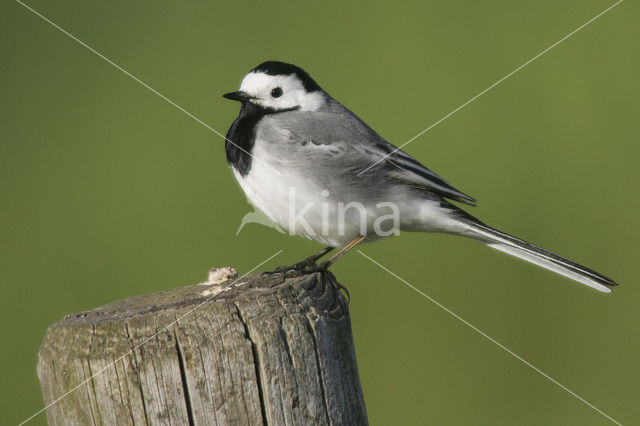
(318, 267)
(309, 261)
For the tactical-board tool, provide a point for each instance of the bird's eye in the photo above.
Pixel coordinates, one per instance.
(277, 92)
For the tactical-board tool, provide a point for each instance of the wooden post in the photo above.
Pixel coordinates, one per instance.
(263, 352)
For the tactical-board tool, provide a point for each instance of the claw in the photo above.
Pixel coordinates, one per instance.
(339, 286)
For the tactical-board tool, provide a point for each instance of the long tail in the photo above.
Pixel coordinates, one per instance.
(534, 254)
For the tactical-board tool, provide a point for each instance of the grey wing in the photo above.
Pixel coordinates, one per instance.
(405, 168)
(345, 139)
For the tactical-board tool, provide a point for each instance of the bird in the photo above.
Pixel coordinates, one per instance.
(319, 171)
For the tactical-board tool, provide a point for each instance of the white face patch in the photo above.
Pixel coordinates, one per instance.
(260, 86)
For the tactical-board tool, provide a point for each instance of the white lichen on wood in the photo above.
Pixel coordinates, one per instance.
(220, 275)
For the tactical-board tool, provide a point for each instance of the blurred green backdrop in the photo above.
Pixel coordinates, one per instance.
(108, 191)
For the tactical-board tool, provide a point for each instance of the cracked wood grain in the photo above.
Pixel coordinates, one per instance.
(266, 352)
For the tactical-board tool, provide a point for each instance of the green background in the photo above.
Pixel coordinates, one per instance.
(108, 191)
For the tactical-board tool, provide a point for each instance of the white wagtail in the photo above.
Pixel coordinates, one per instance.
(299, 154)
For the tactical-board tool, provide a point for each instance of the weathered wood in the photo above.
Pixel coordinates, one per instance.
(264, 352)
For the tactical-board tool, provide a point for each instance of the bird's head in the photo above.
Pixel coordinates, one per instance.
(278, 86)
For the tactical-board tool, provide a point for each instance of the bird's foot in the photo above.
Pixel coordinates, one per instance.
(316, 267)
(307, 266)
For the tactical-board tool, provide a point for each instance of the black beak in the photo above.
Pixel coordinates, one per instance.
(239, 96)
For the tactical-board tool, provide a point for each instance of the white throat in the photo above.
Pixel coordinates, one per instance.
(259, 85)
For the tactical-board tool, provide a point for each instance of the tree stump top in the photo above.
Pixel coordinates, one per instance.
(181, 298)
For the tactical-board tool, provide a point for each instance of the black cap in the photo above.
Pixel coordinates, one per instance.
(282, 68)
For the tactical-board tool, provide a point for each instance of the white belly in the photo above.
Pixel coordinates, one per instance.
(303, 207)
